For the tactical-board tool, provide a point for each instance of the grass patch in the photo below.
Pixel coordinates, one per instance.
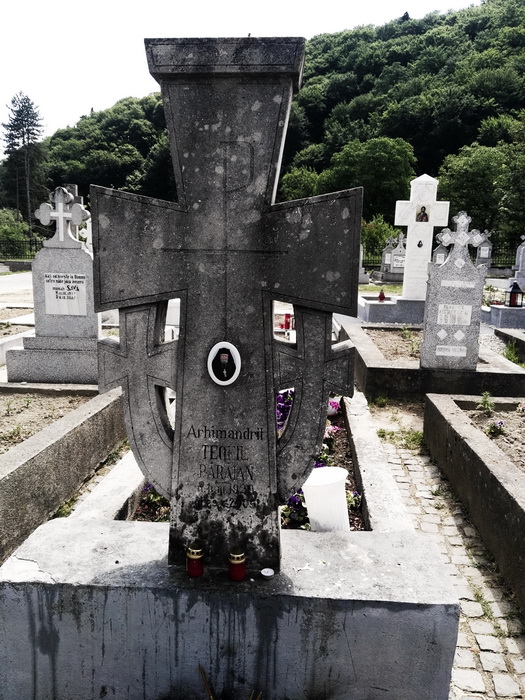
(406, 438)
(395, 289)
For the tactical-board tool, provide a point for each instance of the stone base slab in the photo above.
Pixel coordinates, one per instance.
(503, 316)
(89, 609)
(396, 310)
(52, 365)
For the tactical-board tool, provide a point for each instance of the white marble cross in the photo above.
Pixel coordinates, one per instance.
(420, 215)
(64, 214)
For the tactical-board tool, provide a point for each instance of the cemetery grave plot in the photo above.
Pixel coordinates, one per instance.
(506, 428)
(24, 414)
(403, 343)
(154, 508)
(7, 328)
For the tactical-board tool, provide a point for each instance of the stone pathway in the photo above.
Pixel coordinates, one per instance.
(490, 654)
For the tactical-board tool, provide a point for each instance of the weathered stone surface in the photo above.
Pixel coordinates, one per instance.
(453, 305)
(226, 251)
(99, 609)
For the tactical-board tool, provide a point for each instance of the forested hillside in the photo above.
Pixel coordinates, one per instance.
(443, 95)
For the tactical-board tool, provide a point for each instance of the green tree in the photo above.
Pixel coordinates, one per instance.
(24, 153)
(375, 233)
(471, 180)
(297, 184)
(383, 166)
(11, 225)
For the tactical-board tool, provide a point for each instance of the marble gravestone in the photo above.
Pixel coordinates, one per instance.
(453, 305)
(519, 266)
(64, 349)
(420, 215)
(227, 251)
(484, 250)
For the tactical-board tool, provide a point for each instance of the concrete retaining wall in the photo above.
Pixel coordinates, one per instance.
(38, 475)
(375, 375)
(486, 481)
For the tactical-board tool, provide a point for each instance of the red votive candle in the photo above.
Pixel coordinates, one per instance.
(237, 565)
(194, 560)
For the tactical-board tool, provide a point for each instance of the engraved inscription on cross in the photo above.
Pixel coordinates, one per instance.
(227, 251)
(420, 215)
(67, 212)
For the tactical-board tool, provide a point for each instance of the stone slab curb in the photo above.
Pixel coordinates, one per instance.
(109, 498)
(47, 469)
(383, 505)
(490, 486)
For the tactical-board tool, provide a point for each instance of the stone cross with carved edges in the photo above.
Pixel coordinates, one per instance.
(461, 238)
(67, 212)
(420, 215)
(227, 251)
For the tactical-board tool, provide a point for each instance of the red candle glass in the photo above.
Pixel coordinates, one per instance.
(237, 565)
(194, 560)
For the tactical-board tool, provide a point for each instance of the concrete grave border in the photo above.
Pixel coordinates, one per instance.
(44, 471)
(375, 375)
(363, 604)
(490, 486)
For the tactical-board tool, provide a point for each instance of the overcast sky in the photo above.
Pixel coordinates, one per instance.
(69, 57)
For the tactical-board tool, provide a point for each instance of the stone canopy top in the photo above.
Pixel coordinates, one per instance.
(180, 57)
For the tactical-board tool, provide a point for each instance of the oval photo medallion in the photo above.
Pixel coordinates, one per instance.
(224, 363)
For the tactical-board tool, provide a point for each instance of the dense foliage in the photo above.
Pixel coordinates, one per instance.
(443, 95)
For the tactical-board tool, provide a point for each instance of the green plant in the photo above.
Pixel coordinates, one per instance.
(8, 406)
(406, 333)
(511, 353)
(406, 438)
(486, 403)
(415, 347)
(353, 500)
(380, 401)
(65, 509)
(495, 428)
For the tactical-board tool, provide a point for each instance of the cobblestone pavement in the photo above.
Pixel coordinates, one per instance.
(490, 653)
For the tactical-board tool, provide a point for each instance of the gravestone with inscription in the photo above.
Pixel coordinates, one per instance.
(420, 215)
(227, 251)
(64, 348)
(519, 266)
(453, 304)
(484, 250)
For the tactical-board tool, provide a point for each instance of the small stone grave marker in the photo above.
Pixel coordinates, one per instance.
(453, 304)
(64, 349)
(420, 215)
(227, 251)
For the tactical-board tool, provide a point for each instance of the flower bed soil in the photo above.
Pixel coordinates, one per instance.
(24, 414)
(512, 439)
(153, 508)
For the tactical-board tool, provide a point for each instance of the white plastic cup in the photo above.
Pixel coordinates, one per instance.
(325, 497)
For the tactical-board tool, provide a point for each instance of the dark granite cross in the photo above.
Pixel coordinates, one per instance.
(227, 251)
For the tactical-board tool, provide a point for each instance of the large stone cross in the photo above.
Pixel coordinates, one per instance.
(227, 252)
(420, 215)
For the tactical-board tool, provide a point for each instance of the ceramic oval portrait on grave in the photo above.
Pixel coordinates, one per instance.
(224, 363)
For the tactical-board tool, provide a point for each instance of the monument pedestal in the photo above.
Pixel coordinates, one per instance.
(393, 310)
(89, 608)
(54, 360)
(503, 316)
